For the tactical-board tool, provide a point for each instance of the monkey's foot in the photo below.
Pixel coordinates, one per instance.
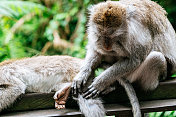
(60, 97)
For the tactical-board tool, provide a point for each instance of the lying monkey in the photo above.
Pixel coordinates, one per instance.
(37, 74)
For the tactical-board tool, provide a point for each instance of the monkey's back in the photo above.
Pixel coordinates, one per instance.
(41, 73)
(153, 16)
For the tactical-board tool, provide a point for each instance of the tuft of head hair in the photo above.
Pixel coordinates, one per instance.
(91, 107)
(108, 14)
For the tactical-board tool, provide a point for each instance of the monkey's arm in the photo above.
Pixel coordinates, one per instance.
(110, 75)
(92, 60)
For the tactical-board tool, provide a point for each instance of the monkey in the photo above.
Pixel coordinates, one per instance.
(42, 74)
(136, 38)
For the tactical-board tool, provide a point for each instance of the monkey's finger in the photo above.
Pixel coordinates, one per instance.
(79, 86)
(92, 94)
(88, 92)
(90, 86)
(84, 82)
(96, 95)
(74, 88)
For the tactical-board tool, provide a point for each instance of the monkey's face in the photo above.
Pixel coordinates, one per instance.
(105, 26)
(107, 40)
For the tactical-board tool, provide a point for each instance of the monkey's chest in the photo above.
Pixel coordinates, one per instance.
(110, 59)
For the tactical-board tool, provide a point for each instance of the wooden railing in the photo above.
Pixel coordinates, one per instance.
(116, 103)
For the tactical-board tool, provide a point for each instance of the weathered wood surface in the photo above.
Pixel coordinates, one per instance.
(33, 101)
(166, 90)
(112, 109)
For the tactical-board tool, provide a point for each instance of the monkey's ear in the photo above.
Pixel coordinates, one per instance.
(130, 11)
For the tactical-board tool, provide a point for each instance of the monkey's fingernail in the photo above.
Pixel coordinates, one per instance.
(85, 94)
(89, 86)
(86, 97)
(90, 95)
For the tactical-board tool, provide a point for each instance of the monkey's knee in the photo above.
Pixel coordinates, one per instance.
(157, 58)
(157, 62)
(151, 70)
(156, 65)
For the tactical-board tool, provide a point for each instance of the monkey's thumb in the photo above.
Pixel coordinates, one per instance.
(91, 107)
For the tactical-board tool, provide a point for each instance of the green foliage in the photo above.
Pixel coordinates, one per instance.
(163, 114)
(16, 9)
(27, 26)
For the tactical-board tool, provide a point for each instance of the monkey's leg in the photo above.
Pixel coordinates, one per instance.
(61, 96)
(10, 90)
(149, 72)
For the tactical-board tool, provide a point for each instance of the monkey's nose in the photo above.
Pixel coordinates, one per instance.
(107, 48)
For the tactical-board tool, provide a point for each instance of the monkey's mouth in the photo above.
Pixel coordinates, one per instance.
(110, 51)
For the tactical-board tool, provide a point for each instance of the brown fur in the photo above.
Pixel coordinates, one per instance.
(109, 15)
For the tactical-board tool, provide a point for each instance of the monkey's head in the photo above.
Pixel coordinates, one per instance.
(107, 14)
(106, 23)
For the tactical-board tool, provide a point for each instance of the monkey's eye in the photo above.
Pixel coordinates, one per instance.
(118, 43)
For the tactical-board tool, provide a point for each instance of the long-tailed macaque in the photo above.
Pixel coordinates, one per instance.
(135, 37)
(37, 74)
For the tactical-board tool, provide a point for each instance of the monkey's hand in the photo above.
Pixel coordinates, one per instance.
(94, 89)
(79, 81)
(92, 60)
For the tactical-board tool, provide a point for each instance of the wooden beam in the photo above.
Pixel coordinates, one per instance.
(112, 109)
(165, 90)
(32, 101)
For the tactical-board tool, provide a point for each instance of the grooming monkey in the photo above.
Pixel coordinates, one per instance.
(136, 38)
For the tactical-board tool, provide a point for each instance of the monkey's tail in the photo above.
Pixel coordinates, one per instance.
(132, 97)
(91, 107)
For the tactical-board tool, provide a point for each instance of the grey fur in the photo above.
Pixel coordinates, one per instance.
(136, 38)
(37, 74)
(91, 107)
